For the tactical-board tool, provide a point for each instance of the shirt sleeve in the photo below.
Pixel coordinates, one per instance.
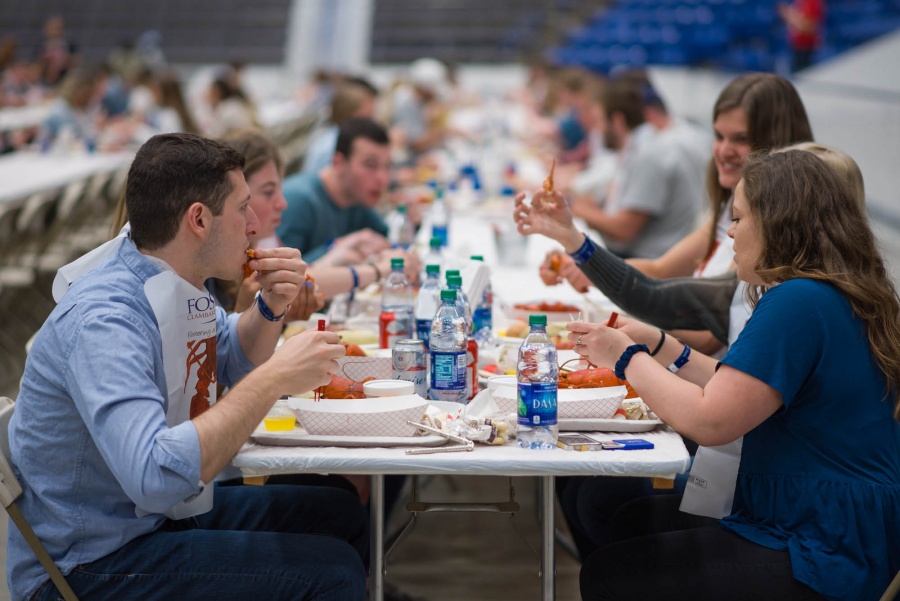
(670, 304)
(116, 389)
(784, 338)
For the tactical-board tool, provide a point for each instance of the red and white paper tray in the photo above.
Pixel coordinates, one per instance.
(377, 365)
(384, 416)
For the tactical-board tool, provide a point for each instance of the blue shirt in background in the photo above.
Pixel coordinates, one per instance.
(312, 221)
(821, 477)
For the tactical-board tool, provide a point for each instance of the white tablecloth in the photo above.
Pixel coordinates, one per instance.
(669, 457)
(24, 173)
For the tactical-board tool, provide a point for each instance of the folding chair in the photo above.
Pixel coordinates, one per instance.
(10, 489)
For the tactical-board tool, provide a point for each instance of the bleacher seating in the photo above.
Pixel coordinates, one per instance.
(199, 31)
(740, 35)
(404, 30)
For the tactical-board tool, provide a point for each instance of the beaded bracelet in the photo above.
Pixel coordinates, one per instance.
(377, 272)
(623, 361)
(265, 311)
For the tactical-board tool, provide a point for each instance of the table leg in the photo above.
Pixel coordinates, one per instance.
(376, 538)
(548, 540)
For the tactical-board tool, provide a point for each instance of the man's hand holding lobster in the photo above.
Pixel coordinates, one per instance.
(280, 273)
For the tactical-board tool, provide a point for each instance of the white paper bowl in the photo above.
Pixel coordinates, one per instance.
(572, 403)
(385, 416)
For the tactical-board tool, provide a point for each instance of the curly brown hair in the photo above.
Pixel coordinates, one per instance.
(813, 227)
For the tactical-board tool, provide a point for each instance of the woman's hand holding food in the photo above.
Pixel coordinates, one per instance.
(280, 273)
(548, 215)
(570, 271)
(600, 344)
(549, 269)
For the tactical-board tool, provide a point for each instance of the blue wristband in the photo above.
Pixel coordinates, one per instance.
(584, 252)
(623, 361)
(682, 359)
(265, 311)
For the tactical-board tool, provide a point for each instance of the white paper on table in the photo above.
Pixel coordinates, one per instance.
(710, 486)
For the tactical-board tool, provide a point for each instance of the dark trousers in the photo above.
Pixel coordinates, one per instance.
(663, 553)
(257, 542)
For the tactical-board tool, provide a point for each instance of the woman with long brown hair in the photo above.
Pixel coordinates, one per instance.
(811, 384)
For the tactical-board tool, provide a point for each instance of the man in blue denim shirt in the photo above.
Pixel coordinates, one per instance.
(94, 441)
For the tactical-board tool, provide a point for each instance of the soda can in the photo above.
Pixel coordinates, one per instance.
(393, 327)
(408, 363)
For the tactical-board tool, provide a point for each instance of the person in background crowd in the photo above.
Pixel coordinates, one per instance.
(230, 109)
(804, 20)
(341, 198)
(75, 113)
(655, 197)
(575, 91)
(58, 55)
(817, 501)
(353, 99)
(419, 116)
(117, 463)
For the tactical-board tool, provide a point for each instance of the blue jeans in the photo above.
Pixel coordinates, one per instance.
(258, 542)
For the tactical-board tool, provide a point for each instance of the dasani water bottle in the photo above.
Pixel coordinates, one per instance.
(448, 352)
(538, 375)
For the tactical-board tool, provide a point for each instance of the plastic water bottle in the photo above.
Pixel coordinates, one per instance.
(427, 302)
(396, 320)
(401, 232)
(440, 217)
(454, 282)
(448, 352)
(482, 316)
(538, 375)
(434, 256)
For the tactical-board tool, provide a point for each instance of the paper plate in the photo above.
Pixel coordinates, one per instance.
(298, 437)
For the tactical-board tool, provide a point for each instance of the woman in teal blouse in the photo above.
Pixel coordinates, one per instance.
(812, 385)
